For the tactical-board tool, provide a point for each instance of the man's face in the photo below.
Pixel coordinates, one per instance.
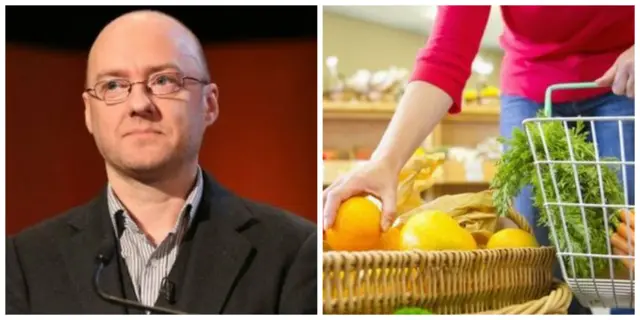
(146, 132)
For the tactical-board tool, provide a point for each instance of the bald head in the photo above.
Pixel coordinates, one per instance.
(140, 40)
(150, 132)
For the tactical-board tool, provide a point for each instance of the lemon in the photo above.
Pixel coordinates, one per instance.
(512, 238)
(435, 230)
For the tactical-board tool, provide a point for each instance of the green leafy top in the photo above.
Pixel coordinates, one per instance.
(516, 169)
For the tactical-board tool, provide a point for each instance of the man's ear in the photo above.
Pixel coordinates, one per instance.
(87, 112)
(211, 102)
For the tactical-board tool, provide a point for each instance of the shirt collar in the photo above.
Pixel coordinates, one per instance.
(190, 206)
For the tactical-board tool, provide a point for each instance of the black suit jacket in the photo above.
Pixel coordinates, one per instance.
(239, 257)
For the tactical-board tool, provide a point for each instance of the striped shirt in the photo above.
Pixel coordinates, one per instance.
(149, 264)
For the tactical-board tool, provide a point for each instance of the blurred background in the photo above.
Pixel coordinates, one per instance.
(368, 55)
(263, 145)
(369, 52)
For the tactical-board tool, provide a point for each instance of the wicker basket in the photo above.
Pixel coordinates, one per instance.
(557, 302)
(446, 282)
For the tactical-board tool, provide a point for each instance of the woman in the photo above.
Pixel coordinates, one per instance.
(543, 45)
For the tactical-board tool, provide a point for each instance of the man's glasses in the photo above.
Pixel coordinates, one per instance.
(118, 90)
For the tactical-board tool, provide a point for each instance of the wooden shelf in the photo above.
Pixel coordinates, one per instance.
(356, 110)
(334, 169)
(385, 110)
(455, 172)
(349, 125)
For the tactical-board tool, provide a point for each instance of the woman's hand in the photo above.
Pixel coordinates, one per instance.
(421, 108)
(620, 77)
(376, 178)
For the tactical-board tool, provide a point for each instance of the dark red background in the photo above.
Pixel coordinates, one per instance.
(263, 145)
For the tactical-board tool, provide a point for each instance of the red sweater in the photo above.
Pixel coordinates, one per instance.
(543, 45)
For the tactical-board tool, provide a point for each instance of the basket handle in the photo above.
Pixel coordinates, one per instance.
(564, 86)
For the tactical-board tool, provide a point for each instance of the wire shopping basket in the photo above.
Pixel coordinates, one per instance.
(586, 200)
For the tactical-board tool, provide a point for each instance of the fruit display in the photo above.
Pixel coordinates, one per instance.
(486, 92)
(454, 254)
(364, 85)
(385, 85)
(355, 153)
(445, 256)
(437, 256)
(465, 221)
(357, 223)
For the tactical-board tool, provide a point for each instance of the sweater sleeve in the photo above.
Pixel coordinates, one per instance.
(445, 61)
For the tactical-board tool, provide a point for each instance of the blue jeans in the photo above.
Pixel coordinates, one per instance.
(515, 109)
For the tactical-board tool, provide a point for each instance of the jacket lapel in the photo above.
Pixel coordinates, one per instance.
(90, 228)
(214, 252)
(213, 256)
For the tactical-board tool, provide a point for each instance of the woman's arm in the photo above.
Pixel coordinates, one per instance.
(442, 69)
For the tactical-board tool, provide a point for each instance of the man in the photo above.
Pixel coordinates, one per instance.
(181, 240)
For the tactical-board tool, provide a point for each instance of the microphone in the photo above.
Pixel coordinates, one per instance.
(168, 290)
(105, 255)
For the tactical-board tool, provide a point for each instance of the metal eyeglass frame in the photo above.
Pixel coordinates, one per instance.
(181, 85)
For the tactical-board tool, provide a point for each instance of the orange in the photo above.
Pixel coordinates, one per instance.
(356, 227)
(390, 239)
(350, 241)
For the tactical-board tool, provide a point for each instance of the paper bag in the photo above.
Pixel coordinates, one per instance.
(416, 176)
